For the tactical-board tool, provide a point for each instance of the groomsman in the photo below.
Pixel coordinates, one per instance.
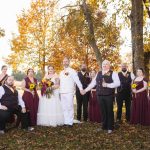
(106, 81)
(124, 92)
(11, 103)
(82, 99)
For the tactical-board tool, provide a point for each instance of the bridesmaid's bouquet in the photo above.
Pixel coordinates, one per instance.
(134, 85)
(47, 84)
(149, 84)
(32, 86)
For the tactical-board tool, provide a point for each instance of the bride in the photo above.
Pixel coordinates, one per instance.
(50, 111)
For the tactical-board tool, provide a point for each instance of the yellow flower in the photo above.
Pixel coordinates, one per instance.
(49, 83)
(134, 86)
(40, 85)
(43, 80)
(32, 86)
(149, 84)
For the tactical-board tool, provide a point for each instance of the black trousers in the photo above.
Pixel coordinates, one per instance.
(106, 104)
(82, 100)
(5, 115)
(120, 98)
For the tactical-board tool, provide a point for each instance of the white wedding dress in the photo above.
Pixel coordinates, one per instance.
(50, 111)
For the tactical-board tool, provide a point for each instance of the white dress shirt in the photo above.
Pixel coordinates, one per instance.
(67, 82)
(2, 92)
(114, 84)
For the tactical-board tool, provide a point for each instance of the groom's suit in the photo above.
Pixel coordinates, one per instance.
(68, 79)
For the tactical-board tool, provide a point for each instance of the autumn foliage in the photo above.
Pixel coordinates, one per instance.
(45, 37)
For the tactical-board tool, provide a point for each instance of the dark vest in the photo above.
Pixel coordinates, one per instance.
(84, 79)
(9, 99)
(125, 83)
(100, 90)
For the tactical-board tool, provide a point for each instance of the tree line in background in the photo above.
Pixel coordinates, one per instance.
(87, 32)
(19, 75)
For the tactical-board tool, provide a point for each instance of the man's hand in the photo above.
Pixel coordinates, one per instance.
(82, 92)
(104, 84)
(23, 110)
(3, 107)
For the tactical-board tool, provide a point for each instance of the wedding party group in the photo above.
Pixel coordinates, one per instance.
(95, 92)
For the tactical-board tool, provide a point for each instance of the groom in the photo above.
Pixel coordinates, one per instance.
(68, 79)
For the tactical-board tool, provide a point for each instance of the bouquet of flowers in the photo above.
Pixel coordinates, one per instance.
(32, 86)
(149, 84)
(47, 84)
(134, 85)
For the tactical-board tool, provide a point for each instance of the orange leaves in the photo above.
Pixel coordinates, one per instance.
(34, 44)
(43, 40)
(2, 32)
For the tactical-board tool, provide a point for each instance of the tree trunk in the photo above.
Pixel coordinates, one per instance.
(92, 40)
(136, 19)
(147, 64)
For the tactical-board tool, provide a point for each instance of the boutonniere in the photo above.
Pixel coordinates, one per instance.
(127, 75)
(66, 73)
(87, 76)
(107, 74)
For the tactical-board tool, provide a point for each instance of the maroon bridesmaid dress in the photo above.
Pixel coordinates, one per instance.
(31, 101)
(139, 108)
(149, 104)
(94, 108)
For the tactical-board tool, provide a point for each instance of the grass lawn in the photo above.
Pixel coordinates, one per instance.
(79, 137)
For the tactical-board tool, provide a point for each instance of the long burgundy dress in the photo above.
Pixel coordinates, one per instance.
(31, 101)
(139, 108)
(149, 104)
(94, 108)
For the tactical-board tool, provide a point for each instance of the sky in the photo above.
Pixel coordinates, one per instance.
(9, 9)
(8, 16)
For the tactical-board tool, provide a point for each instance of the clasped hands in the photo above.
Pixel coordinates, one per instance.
(82, 92)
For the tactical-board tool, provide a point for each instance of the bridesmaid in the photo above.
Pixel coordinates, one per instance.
(149, 100)
(139, 109)
(94, 108)
(30, 95)
(3, 75)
